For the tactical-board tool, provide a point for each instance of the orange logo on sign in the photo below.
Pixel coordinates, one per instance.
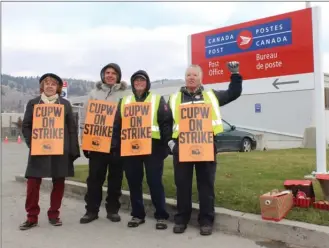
(47, 146)
(136, 146)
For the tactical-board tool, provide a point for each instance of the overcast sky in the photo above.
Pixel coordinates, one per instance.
(76, 39)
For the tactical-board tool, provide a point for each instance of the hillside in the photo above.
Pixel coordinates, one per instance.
(17, 91)
(30, 85)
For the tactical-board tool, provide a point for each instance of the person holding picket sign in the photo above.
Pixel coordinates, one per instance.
(145, 132)
(50, 132)
(197, 118)
(101, 145)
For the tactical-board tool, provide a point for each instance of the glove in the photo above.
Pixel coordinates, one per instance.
(86, 153)
(233, 67)
(171, 145)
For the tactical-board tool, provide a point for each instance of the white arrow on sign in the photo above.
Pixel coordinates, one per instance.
(245, 40)
(276, 83)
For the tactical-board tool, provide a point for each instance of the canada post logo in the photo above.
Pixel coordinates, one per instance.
(262, 36)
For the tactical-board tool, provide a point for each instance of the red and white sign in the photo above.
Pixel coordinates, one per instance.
(275, 53)
(64, 90)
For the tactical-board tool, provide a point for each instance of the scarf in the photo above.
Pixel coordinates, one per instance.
(49, 99)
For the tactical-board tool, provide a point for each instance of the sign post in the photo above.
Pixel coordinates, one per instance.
(278, 53)
(321, 164)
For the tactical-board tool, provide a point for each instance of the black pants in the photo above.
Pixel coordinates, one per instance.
(205, 174)
(99, 164)
(134, 169)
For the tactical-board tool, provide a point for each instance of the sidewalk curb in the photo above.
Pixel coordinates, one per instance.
(228, 221)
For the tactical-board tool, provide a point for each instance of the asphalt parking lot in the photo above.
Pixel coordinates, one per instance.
(101, 232)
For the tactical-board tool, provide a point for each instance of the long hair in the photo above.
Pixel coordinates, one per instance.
(58, 91)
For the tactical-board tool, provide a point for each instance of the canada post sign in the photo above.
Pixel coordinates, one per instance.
(269, 47)
(269, 35)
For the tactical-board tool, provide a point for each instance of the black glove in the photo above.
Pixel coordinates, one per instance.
(86, 153)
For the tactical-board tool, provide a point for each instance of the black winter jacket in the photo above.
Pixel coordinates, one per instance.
(52, 166)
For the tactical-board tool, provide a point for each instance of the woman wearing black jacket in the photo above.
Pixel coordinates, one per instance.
(56, 167)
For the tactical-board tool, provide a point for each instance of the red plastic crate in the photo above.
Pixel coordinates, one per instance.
(303, 192)
(322, 177)
(322, 205)
(303, 203)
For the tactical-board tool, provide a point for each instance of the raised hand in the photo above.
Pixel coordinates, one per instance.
(233, 66)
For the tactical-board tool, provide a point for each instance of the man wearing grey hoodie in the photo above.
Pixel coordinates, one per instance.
(111, 89)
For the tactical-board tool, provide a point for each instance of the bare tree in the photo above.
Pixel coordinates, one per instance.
(19, 123)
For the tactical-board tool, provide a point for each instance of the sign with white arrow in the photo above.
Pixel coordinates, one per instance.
(272, 84)
(276, 83)
(274, 53)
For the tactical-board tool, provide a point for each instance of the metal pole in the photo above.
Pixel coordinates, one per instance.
(79, 123)
(320, 121)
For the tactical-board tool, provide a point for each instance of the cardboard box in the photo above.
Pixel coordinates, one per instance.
(276, 204)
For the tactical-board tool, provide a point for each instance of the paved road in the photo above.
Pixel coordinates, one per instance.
(101, 233)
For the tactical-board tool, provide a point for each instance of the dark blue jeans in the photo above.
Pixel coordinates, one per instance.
(134, 170)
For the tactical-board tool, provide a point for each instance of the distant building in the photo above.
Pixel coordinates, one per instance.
(276, 123)
(9, 125)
